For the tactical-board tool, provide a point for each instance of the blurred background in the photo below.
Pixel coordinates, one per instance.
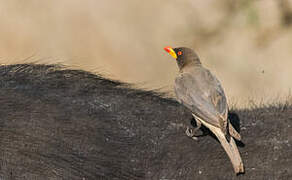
(247, 44)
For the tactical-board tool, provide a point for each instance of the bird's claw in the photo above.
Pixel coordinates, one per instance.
(191, 133)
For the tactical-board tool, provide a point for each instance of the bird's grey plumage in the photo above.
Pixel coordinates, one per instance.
(201, 92)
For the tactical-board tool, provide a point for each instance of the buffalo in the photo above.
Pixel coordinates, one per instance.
(57, 123)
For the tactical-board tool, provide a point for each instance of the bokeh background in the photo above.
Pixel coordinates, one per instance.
(247, 44)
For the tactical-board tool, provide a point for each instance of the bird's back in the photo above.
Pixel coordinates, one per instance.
(203, 94)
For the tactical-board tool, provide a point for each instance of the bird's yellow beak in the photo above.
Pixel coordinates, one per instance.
(170, 51)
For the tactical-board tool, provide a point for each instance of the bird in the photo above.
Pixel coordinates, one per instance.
(201, 92)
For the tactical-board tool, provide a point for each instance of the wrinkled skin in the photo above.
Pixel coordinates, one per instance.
(68, 124)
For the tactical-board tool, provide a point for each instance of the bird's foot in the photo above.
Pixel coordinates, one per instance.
(191, 133)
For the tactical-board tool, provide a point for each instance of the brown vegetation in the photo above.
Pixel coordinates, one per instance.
(245, 43)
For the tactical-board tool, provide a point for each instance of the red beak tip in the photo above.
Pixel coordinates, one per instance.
(167, 49)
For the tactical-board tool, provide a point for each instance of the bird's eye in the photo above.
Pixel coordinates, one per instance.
(179, 53)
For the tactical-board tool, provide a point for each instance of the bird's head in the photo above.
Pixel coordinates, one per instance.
(184, 56)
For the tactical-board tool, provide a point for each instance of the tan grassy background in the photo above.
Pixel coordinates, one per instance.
(247, 44)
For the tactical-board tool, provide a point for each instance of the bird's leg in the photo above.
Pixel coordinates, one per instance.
(191, 132)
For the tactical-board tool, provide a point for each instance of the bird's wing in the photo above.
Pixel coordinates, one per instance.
(202, 93)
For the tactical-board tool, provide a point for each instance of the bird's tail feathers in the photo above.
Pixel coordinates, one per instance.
(229, 147)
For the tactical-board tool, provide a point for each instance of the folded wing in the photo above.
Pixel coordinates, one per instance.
(202, 93)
